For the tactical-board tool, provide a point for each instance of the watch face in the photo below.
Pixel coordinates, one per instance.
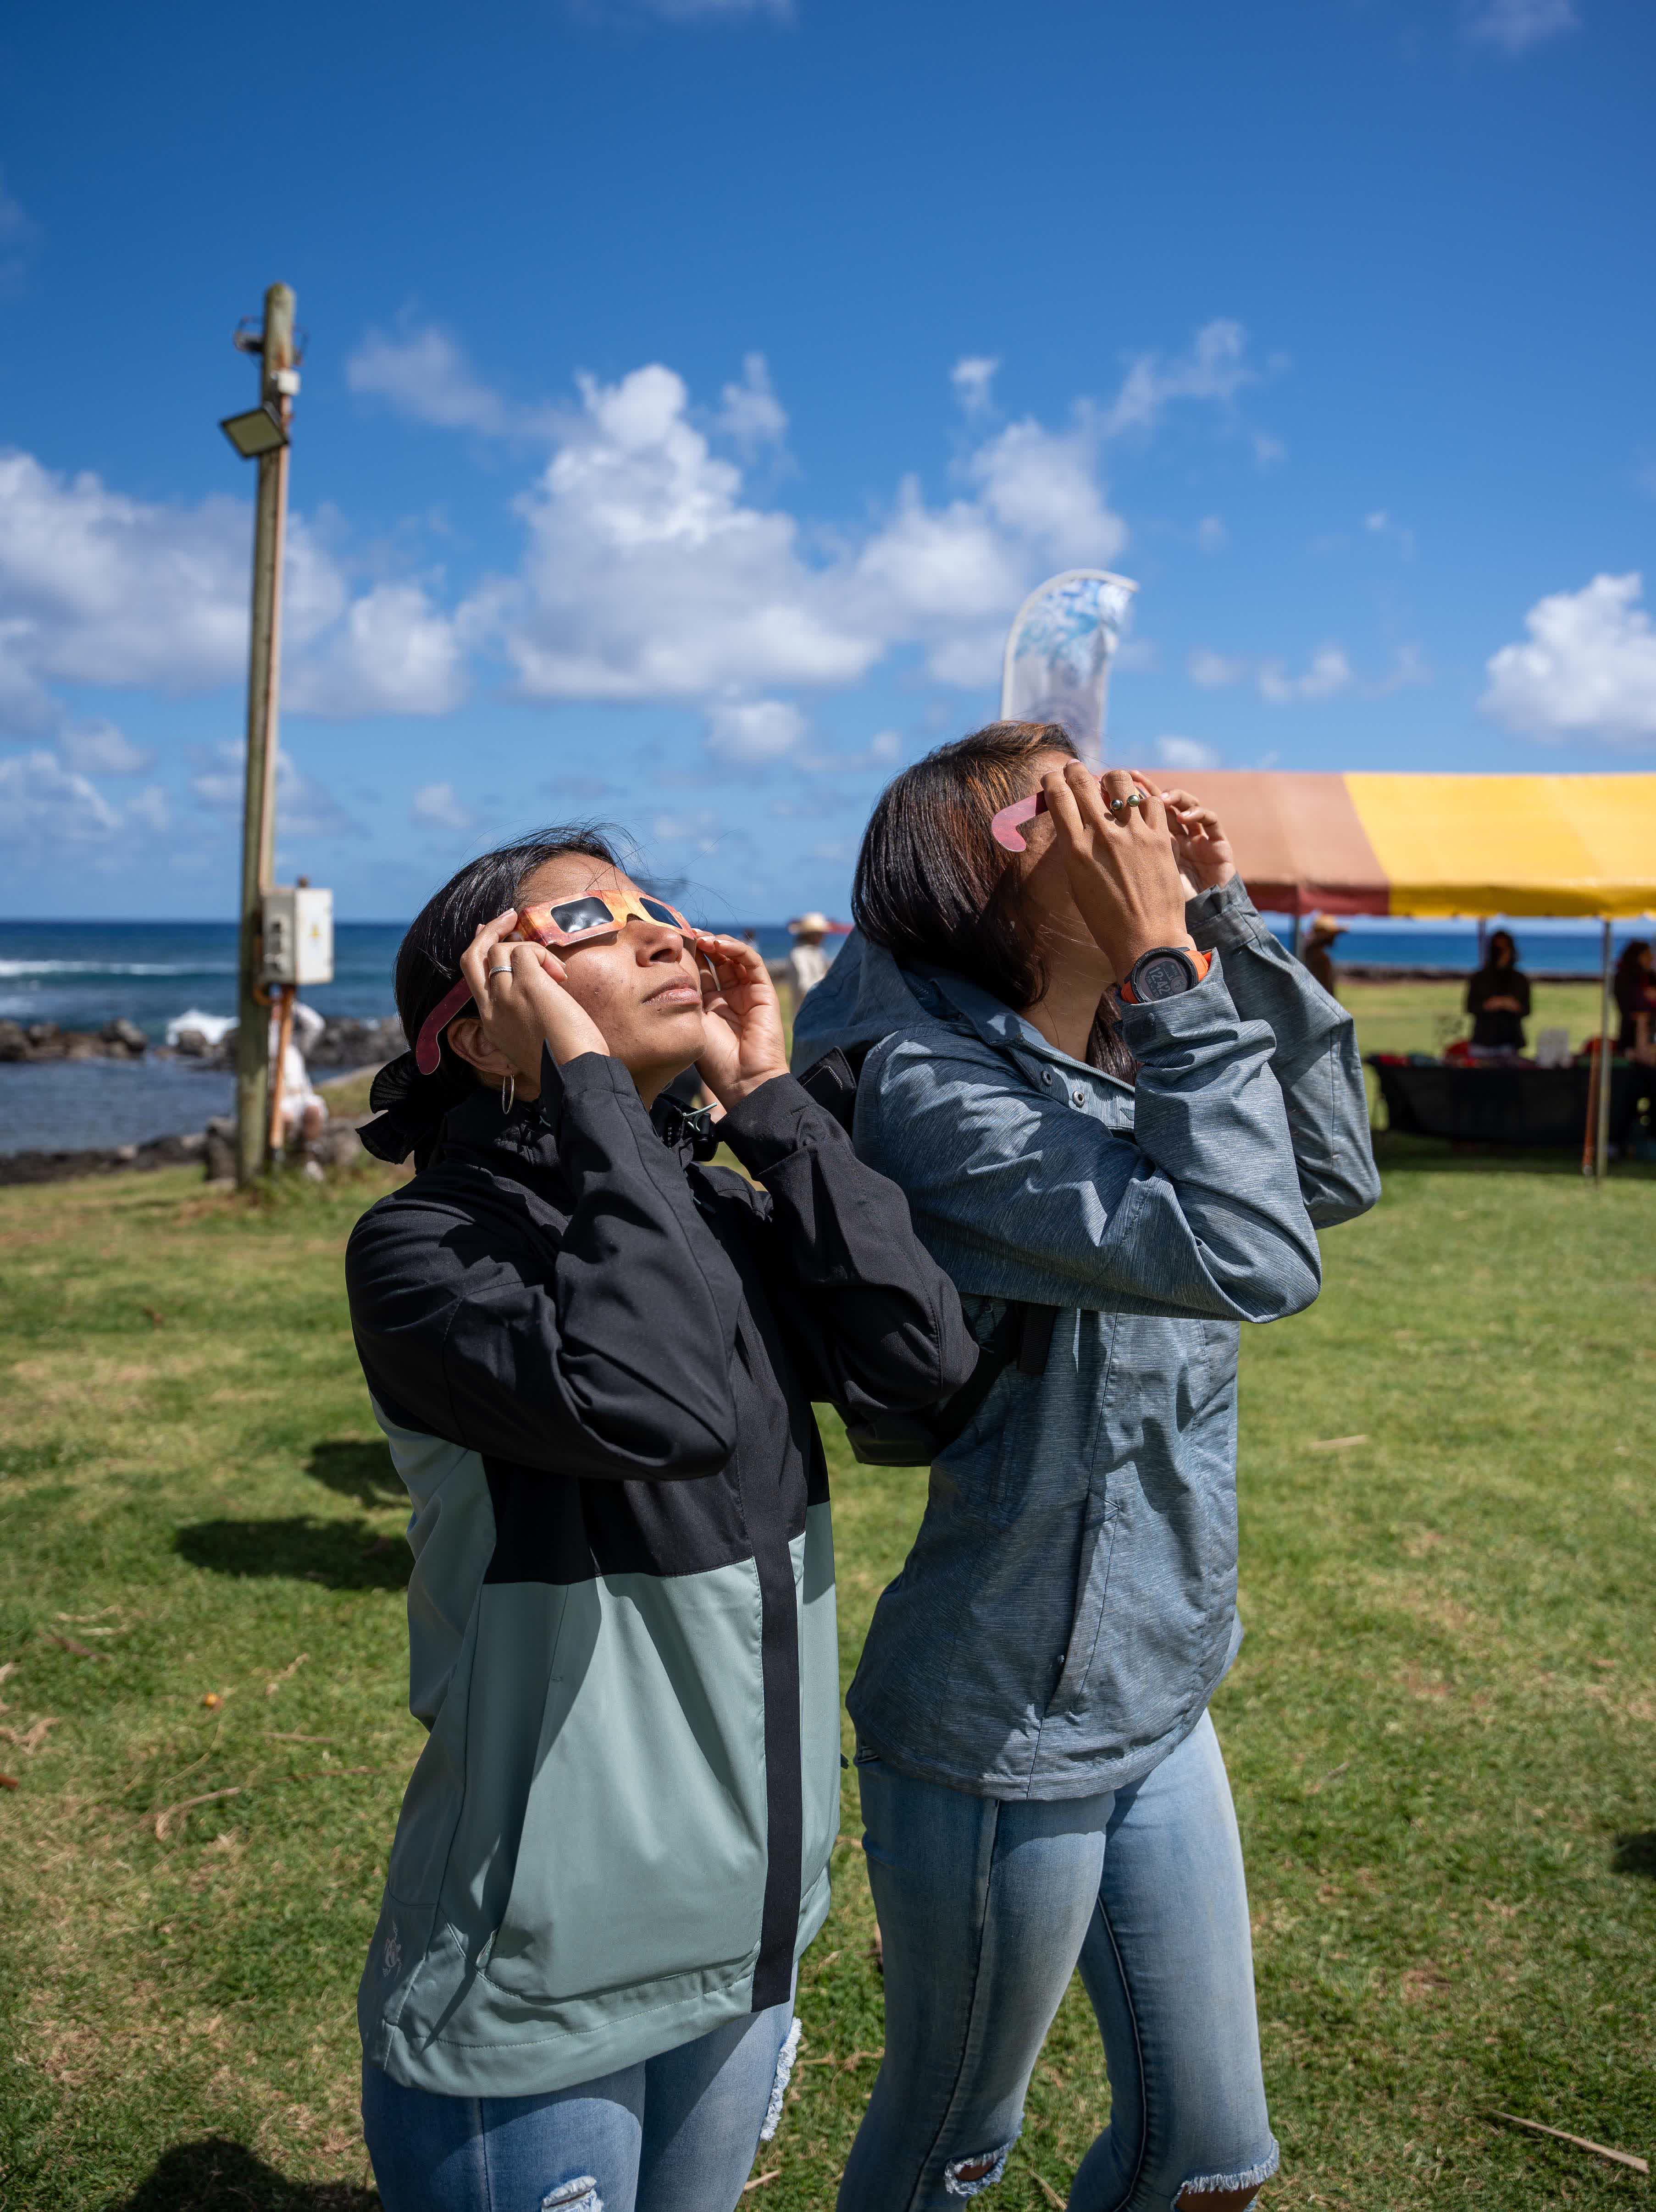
(1161, 976)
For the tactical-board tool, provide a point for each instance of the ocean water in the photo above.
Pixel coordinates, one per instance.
(82, 974)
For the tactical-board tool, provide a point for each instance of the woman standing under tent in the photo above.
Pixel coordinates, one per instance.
(595, 1364)
(1498, 999)
(1041, 1785)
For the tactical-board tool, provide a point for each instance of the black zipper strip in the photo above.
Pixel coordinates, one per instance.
(779, 1646)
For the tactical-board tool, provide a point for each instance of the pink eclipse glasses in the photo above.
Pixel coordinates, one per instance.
(569, 921)
(1007, 827)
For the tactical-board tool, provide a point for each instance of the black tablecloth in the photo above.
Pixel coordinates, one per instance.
(1493, 1103)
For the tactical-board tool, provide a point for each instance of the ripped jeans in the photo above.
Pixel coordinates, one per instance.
(985, 1909)
(677, 2133)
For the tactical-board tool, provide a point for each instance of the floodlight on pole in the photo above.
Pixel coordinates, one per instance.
(261, 430)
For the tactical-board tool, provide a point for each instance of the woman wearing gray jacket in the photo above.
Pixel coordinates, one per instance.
(1041, 1785)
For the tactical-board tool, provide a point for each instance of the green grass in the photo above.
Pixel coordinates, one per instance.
(1441, 1728)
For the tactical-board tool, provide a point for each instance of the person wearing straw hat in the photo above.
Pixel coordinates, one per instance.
(806, 963)
(1318, 952)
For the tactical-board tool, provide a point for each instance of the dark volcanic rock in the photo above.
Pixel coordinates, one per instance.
(61, 1167)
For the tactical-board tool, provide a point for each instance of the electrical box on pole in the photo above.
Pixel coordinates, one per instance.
(298, 936)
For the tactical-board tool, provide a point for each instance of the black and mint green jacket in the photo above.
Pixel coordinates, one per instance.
(595, 1363)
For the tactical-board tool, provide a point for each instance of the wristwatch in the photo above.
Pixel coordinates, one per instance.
(1162, 972)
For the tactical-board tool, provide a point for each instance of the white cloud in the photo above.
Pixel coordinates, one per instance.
(98, 588)
(1043, 488)
(1588, 668)
(752, 416)
(1213, 368)
(1329, 672)
(393, 653)
(44, 804)
(99, 749)
(1410, 667)
(1379, 524)
(151, 810)
(425, 375)
(1185, 753)
(973, 379)
(1268, 451)
(439, 805)
(304, 808)
(1213, 670)
(1211, 535)
(1515, 25)
(754, 731)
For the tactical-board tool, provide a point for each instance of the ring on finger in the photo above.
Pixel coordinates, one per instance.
(1119, 806)
(504, 970)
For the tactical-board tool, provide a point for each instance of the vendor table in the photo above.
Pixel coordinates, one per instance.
(1503, 1102)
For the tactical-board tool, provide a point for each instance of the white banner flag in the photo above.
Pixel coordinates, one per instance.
(1058, 652)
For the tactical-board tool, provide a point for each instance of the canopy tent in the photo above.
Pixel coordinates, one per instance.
(1438, 845)
(1435, 845)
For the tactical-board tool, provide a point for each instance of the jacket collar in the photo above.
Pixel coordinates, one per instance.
(522, 1138)
(1007, 1032)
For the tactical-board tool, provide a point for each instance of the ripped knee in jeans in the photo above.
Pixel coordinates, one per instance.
(580, 2195)
(969, 2177)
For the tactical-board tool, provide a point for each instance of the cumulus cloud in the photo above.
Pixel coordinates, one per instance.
(425, 375)
(973, 379)
(43, 803)
(1213, 368)
(1214, 670)
(752, 416)
(99, 588)
(754, 730)
(305, 807)
(1185, 753)
(1587, 668)
(440, 806)
(1515, 25)
(1329, 672)
(99, 749)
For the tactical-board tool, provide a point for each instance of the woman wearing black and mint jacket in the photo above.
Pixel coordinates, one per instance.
(595, 1361)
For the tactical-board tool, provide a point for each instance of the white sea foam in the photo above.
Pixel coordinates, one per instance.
(212, 1026)
(14, 967)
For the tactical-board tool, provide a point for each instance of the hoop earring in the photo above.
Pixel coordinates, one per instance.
(508, 1094)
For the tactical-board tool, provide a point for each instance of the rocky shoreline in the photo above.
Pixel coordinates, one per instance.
(345, 1042)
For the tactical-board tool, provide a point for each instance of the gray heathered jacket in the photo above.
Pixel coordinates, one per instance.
(1070, 1603)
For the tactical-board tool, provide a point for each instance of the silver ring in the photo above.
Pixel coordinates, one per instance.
(504, 971)
(1118, 807)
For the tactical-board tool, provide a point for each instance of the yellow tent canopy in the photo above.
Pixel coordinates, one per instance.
(1436, 845)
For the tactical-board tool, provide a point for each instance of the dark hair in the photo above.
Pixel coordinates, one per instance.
(411, 1106)
(934, 889)
(1500, 937)
(1626, 966)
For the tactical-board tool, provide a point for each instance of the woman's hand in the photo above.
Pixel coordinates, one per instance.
(518, 990)
(1200, 843)
(1121, 870)
(744, 1045)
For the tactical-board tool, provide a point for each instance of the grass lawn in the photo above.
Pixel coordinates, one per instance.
(1442, 1729)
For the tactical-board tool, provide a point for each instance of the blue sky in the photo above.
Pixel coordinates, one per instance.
(695, 388)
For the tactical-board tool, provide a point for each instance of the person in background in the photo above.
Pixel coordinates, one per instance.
(303, 1111)
(1498, 1000)
(1635, 1000)
(807, 963)
(1318, 952)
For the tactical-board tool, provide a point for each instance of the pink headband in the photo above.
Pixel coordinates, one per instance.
(428, 1045)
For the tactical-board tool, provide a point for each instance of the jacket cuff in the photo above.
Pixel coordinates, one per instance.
(778, 1120)
(1188, 1018)
(1224, 916)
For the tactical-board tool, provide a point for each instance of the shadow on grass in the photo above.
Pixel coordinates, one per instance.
(216, 2176)
(361, 1471)
(1636, 1854)
(341, 1554)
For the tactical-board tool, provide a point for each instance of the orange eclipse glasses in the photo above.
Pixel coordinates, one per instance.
(563, 923)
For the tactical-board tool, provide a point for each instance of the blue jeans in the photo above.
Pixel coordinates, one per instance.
(985, 1909)
(674, 2134)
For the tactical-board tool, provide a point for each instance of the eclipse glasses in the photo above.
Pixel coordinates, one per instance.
(569, 921)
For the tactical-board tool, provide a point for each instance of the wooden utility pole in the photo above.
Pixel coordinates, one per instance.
(276, 360)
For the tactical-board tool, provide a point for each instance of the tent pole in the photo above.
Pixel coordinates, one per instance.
(1299, 924)
(1601, 1139)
